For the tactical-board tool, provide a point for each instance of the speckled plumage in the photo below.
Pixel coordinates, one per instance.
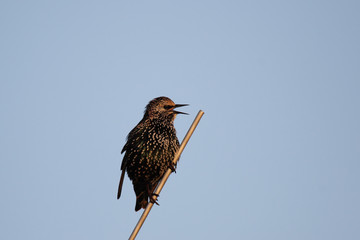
(150, 149)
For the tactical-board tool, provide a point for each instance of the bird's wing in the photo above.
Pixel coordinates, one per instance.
(134, 134)
(123, 169)
(121, 183)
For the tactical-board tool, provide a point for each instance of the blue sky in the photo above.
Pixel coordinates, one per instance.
(276, 155)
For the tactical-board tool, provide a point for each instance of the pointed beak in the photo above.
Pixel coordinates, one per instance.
(180, 105)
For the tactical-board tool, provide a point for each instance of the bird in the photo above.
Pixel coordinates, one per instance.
(150, 149)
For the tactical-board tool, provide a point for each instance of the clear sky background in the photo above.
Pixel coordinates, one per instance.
(276, 155)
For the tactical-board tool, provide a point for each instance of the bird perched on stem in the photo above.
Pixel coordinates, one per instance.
(150, 149)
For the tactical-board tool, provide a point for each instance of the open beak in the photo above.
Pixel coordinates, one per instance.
(180, 105)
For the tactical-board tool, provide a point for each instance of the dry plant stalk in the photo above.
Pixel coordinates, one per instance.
(166, 176)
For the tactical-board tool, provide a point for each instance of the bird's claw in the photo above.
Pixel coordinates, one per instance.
(172, 167)
(152, 200)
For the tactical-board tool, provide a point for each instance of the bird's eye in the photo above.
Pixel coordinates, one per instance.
(167, 107)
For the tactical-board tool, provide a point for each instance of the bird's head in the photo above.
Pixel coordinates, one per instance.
(163, 107)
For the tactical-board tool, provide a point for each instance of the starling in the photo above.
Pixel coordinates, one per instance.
(150, 149)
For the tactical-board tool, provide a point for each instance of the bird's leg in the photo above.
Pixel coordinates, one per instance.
(151, 194)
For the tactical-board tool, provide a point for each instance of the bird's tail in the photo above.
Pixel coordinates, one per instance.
(142, 195)
(141, 201)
